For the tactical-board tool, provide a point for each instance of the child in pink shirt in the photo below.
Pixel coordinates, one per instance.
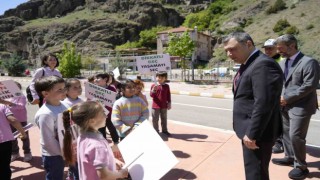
(6, 138)
(19, 110)
(95, 157)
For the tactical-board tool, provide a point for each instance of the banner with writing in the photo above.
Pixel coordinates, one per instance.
(153, 63)
(103, 95)
(9, 89)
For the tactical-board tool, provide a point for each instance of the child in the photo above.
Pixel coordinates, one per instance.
(161, 102)
(52, 88)
(102, 80)
(74, 90)
(19, 110)
(129, 111)
(95, 157)
(6, 138)
(139, 87)
(91, 79)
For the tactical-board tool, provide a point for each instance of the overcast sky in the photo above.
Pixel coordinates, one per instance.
(9, 4)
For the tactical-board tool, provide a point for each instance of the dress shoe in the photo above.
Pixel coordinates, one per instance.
(283, 161)
(277, 148)
(298, 173)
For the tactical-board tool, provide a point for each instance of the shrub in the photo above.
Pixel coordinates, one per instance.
(310, 26)
(14, 65)
(281, 25)
(292, 30)
(277, 6)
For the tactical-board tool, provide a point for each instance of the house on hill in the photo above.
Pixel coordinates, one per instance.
(203, 51)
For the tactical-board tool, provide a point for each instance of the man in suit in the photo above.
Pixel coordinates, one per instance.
(256, 109)
(298, 102)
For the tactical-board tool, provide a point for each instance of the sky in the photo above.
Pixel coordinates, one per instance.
(9, 4)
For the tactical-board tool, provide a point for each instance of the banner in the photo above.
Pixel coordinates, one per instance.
(9, 89)
(103, 95)
(153, 63)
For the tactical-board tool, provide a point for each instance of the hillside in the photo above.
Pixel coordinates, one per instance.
(97, 26)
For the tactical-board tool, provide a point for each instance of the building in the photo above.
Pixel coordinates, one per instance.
(203, 50)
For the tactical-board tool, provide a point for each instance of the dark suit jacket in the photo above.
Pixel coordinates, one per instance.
(299, 89)
(256, 110)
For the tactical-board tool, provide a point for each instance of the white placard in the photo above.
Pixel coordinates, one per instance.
(147, 155)
(103, 95)
(116, 73)
(9, 89)
(153, 63)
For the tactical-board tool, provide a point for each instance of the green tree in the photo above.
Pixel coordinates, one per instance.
(148, 38)
(219, 55)
(70, 61)
(182, 46)
(120, 63)
(14, 65)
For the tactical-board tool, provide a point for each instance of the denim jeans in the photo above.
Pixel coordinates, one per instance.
(54, 166)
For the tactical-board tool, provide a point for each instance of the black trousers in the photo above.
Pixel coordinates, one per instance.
(113, 131)
(5, 160)
(256, 162)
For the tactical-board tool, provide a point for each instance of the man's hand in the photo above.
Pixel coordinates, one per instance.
(283, 102)
(250, 144)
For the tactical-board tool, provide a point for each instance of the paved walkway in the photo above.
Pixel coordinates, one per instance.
(203, 153)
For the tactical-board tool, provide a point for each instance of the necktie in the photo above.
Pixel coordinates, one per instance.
(237, 77)
(286, 69)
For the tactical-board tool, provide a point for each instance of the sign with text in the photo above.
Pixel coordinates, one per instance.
(103, 95)
(145, 154)
(153, 63)
(9, 89)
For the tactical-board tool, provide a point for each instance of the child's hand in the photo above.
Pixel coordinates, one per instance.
(23, 136)
(119, 164)
(116, 151)
(124, 173)
(169, 106)
(155, 87)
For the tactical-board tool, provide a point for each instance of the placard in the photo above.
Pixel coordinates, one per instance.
(103, 95)
(147, 156)
(9, 89)
(153, 63)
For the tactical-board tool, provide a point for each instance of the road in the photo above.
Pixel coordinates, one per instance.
(210, 112)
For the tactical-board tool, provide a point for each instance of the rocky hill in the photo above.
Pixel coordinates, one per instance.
(96, 26)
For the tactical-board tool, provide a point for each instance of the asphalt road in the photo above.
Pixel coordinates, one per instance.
(210, 112)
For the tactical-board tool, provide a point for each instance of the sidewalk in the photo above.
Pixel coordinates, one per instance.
(203, 153)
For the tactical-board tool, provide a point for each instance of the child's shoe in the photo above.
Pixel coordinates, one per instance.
(15, 157)
(27, 157)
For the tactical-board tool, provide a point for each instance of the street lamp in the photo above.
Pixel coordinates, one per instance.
(195, 36)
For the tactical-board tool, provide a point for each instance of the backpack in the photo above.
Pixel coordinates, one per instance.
(28, 91)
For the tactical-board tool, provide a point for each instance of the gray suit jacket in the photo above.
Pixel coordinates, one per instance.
(299, 88)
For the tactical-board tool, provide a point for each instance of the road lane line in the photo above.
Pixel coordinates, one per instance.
(224, 109)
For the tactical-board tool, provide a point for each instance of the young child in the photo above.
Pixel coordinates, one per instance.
(102, 80)
(6, 138)
(74, 90)
(139, 87)
(95, 157)
(129, 111)
(161, 102)
(19, 110)
(52, 88)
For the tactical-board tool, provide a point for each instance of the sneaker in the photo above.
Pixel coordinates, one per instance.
(27, 157)
(277, 148)
(283, 161)
(15, 157)
(298, 173)
(166, 133)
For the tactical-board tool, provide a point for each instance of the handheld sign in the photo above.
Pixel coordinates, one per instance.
(116, 73)
(9, 89)
(149, 159)
(103, 95)
(153, 63)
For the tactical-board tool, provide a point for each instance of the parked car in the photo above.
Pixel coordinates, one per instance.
(221, 71)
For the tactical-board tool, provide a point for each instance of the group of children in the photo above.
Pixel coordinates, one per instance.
(91, 157)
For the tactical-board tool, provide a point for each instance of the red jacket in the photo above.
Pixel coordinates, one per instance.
(161, 97)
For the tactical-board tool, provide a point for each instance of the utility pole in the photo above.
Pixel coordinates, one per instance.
(194, 55)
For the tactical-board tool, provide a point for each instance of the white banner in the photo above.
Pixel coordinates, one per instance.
(103, 95)
(153, 63)
(146, 155)
(116, 73)
(9, 89)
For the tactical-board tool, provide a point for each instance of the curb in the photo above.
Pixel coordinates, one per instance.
(209, 95)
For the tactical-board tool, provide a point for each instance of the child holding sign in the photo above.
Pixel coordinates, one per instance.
(52, 88)
(95, 157)
(19, 110)
(161, 102)
(129, 111)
